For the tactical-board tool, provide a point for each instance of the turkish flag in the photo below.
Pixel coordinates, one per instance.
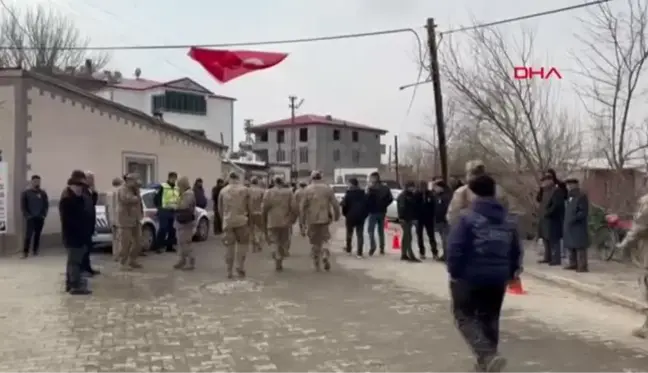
(225, 65)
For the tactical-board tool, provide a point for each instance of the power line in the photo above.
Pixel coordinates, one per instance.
(528, 16)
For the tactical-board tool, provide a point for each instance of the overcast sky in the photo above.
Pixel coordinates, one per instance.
(354, 79)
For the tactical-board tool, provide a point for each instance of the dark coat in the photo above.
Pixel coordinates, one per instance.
(201, 198)
(379, 197)
(215, 193)
(90, 198)
(576, 233)
(425, 205)
(34, 203)
(552, 213)
(72, 209)
(407, 208)
(442, 203)
(354, 206)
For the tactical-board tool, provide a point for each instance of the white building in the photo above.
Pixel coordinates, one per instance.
(181, 102)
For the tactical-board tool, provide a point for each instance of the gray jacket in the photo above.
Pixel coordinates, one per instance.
(34, 203)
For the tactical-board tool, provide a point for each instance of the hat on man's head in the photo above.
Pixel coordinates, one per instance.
(316, 175)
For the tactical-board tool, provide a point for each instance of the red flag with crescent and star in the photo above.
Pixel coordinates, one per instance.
(226, 65)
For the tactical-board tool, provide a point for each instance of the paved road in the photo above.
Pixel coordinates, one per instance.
(366, 315)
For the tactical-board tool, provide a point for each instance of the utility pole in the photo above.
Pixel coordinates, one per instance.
(294, 105)
(438, 97)
(396, 161)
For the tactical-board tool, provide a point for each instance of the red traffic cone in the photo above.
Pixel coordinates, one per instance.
(396, 242)
(515, 287)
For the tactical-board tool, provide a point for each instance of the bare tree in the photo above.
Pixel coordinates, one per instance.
(612, 61)
(41, 38)
(517, 126)
(420, 157)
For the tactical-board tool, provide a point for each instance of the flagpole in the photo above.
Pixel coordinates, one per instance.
(294, 105)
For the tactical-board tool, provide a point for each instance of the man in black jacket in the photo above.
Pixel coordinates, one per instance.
(443, 196)
(34, 205)
(379, 197)
(426, 203)
(90, 198)
(406, 215)
(218, 225)
(354, 209)
(72, 208)
(552, 213)
(199, 193)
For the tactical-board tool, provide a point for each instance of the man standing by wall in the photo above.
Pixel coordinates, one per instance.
(128, 220)
(576, 230)
(90, 197)
(111, 208)
(72, 211)
(379, 197)
(166, 200)
(34, 204)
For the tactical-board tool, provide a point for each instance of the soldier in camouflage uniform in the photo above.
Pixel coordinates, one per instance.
(638, 235)
(257, 224)
(299, 194)
(234, 209)
(315, 212)
(279, 211)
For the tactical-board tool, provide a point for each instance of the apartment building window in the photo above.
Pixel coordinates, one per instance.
(262, 154)
(281, 155)
(336, 135)
(179, 102)
(355, 157)
(262, 137)
(303, 155)
(303, 134)
(336, 155)
(281, 136)
(354, 136)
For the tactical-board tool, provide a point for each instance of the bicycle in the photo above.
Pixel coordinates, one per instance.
(610, 234)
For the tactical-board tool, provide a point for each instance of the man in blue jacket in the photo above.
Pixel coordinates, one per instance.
(484, 254)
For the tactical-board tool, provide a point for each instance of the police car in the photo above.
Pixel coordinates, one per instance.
(103, 231)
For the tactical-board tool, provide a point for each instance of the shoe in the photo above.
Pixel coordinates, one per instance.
(640, 333)
(135, 265)
(80, 292)
(442, 258)
(495, 363)
(382, 251)
(542, 261)
(404, 259)
(422, 256)
(372, 251)
(359, 256)
(327, 264)
(240, 273)
(435, 257)
(317, 265)
(179, 265)
(170, 250)
(35, 253)
(143, 253)
(582, 270)
(570, 268)
(278, 265)
(230, 275)
(554, 264)
(24, 256)
(191, 265)
(347, 250)
(415, 260)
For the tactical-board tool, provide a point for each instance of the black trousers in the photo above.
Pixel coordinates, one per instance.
(552, 251)
(428, 227)
(73, 269)
(358, 228)
(33, 230)
(476, 309)
(218, 226)
(406, 245)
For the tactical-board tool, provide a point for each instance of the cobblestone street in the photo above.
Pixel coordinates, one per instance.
(375, 314)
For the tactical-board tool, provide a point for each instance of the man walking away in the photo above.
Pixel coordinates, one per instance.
(234, 209)
(166, 200)
(552, 213)
(315, 210)
(257, 223)
(185, 223)
(443, 195)
(354, 209)
(279, 211)
(128, 220)
(407, 208)
(379, 197)
(484, 254)
(34, 204)
(90, 197)
(576, 230)
(218, 223)
(199, 193)
(111, 208)
(426, 204)
(299, 195)
(73, 225)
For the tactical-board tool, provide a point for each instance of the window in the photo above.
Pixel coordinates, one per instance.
(303, 155)
(336, 155)
(147, 199)
(262, 154)
(336, 135)
(355, 156)
(281, 155)
(143, 166)
(354, 136)
(303, 134)
(281, 136)
(262, 137)
(179, 102)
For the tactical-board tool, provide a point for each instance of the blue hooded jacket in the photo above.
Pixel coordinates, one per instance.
(483, 246)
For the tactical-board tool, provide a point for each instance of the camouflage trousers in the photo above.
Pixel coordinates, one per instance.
(319, 235)
(184, 236)
(115, 243)
(302, 228)
(236, 241)
(257, 232)
(280, 240)
(129, 243)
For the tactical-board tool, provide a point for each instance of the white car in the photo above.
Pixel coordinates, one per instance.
(339, 190)
(392, 209)
(103, 231)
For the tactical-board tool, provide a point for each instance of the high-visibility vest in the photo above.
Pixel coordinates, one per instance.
(170, 196)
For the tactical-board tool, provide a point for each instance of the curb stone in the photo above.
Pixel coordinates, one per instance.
(586, 289)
